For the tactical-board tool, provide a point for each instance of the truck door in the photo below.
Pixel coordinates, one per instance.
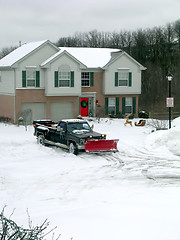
(60, 134)
(52, 134)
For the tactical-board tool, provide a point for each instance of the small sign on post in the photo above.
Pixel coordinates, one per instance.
(170, 102)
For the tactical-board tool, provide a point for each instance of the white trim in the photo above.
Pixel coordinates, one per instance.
(62, 95)
(122, 93)
(31, 67)
(51, 59)
(123, 68)
(88, 94)
(25, 88)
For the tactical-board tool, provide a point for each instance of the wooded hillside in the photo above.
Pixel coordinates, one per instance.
(158, 49)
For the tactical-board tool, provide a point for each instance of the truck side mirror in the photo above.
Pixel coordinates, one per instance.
(61, 130)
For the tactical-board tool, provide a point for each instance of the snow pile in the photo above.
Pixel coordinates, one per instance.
(167, 140)
(132, 194)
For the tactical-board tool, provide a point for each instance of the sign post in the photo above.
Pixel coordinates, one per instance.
(170, 100)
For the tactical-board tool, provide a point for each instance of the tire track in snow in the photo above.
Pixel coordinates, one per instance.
(142, 163)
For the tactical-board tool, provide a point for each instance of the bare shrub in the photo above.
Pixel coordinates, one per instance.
(9, 230)
(158, 124)
(25, 117)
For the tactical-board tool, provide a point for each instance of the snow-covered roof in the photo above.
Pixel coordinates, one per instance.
(87, 57)
(19, 53)
(90, 57)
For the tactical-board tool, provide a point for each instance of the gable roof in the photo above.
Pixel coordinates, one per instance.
(21, 52)
(117, 55)
(90, 57)
(57, 55)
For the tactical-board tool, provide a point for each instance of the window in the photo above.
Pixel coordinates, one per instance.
(111, 106)
(74, 126)
(123, 78)
(128, 105)
(64, 79)
(85, 79)
(63, 126)
(31, 78)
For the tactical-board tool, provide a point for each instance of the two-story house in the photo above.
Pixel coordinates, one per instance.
(58, 83)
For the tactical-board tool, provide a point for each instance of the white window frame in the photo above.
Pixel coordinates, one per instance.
(31, 78)
(112, 105)
(85, 79)
(123, 78)
(64, 76)
(128, 104)
(64, 79)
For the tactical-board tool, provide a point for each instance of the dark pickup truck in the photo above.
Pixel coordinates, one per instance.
(72, 134)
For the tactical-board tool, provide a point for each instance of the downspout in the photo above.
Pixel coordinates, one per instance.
(14, 96)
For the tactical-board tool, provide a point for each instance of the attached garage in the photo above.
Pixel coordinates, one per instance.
(33, 111)
(61, 111)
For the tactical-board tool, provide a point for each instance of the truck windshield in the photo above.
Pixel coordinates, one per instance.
(78, 126)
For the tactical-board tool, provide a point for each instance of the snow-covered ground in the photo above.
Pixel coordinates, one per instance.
(130, 195)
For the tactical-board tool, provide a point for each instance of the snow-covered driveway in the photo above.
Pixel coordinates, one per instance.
(132, 194)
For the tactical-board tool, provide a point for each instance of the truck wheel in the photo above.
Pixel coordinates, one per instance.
(73, 149)
(40, 140)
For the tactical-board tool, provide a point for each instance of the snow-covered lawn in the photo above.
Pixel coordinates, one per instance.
(130, 195)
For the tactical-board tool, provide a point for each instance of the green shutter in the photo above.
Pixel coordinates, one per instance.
(123, 105)
(72, 79)
(134, 105)
(117, 105)
(116, 79)
(23, 78)
(37, 79)
(106, 106)
(56, 79)
(130, 79)
(91, 79)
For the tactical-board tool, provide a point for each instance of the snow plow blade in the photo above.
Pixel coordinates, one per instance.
(101, 145)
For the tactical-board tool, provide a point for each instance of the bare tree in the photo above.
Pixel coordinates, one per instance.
(5, 51)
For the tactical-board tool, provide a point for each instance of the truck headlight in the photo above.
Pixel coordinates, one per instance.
(103, 136)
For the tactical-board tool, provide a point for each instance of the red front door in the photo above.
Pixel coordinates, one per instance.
(84, 107)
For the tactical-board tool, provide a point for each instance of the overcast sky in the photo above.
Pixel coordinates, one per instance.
(34, 20)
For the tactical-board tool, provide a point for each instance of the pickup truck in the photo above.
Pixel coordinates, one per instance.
(72, 134)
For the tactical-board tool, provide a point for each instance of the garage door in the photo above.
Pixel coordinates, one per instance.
(61, 111)
(33, 111)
